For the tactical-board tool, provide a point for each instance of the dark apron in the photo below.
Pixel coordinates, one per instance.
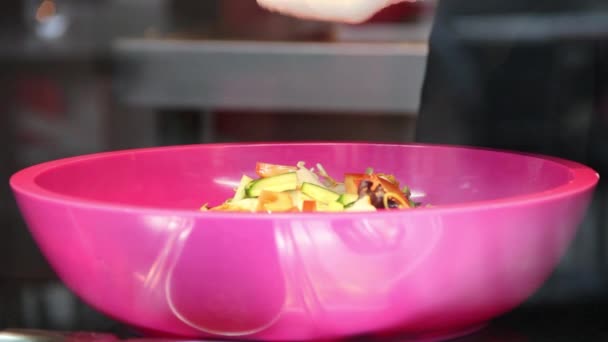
(524, 91)
(536, 85)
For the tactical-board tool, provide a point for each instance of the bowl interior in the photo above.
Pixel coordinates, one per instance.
(188, 176)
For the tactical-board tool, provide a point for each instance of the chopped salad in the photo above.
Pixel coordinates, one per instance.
(286, 188)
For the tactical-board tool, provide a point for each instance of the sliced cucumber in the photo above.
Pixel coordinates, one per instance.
(319, 193)
(347, 199)
(240, 191)
(335, 206)
(278, 183)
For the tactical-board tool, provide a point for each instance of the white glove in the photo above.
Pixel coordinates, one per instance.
(347, 11)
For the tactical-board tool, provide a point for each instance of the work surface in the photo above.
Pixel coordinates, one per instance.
(584, 321)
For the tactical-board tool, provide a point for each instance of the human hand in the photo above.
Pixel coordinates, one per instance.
(347, 11)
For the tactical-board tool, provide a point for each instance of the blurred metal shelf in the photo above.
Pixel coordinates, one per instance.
(23, 50)
(533, 28)
(302, 76)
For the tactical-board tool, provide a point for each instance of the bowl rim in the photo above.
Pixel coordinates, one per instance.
(23, 182)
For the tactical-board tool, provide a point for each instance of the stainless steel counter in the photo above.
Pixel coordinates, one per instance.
(208, 74)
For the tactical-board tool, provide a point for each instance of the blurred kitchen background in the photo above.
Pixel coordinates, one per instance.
(83, 76)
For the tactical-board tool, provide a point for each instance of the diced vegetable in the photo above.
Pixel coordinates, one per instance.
(309, 206)
(362, 204)
(240, 191)
(394, 191)
(348, 198)
(335, 206)
(282, 182)
(245, 204)
(319, 193)
(269, 170)
(352, 181)
(271, 201)
(284, 188)
(307, 176)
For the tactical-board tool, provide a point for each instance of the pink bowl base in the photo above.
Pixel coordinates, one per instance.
(395, 336)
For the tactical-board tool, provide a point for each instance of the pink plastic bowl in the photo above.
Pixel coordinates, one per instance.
(122, 230)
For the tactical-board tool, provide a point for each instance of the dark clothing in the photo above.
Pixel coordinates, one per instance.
(525, 90)
(535, 84)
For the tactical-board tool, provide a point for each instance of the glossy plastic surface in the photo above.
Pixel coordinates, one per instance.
(122, 230)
